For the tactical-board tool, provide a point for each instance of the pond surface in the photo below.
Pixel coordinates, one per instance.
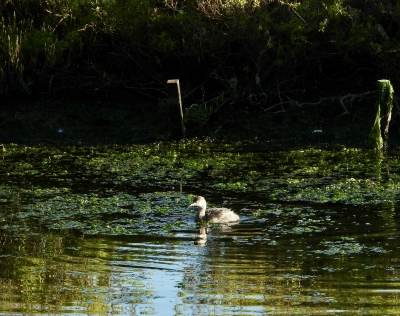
(107, 231)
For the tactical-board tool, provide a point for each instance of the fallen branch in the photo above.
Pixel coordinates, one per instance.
(346, 99)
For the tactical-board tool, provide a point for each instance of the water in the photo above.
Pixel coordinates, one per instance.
(142, 254)
(245, 269)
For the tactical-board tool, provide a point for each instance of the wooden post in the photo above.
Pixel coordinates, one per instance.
(375, 140)
(380, 131)
(175, 109)
(385, 101)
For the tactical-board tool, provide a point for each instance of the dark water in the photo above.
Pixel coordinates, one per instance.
(282, 258)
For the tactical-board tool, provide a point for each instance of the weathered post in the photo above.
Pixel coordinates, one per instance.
(380, 131)
(375, 140)
(175, 109)
(385, 101)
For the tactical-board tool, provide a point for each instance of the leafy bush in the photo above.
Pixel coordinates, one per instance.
(221, 50)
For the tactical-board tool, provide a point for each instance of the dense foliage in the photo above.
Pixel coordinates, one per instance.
(221, 50)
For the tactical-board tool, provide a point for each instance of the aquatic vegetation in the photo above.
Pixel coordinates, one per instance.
(231, 186)
(92, 214)
(123, 188)
(346, 246)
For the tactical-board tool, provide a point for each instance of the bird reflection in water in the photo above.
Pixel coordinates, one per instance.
(202, 236)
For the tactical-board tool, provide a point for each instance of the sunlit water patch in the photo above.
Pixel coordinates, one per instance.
(107, 231)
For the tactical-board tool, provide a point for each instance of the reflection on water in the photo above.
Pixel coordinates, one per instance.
(245, 269)
(202, 236)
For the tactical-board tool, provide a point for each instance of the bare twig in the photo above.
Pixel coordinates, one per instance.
(298, 15)
(348, 98)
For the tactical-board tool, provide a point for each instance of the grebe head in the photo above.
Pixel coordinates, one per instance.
(199, 202)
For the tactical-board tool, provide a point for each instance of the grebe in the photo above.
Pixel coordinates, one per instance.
(215, 215)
